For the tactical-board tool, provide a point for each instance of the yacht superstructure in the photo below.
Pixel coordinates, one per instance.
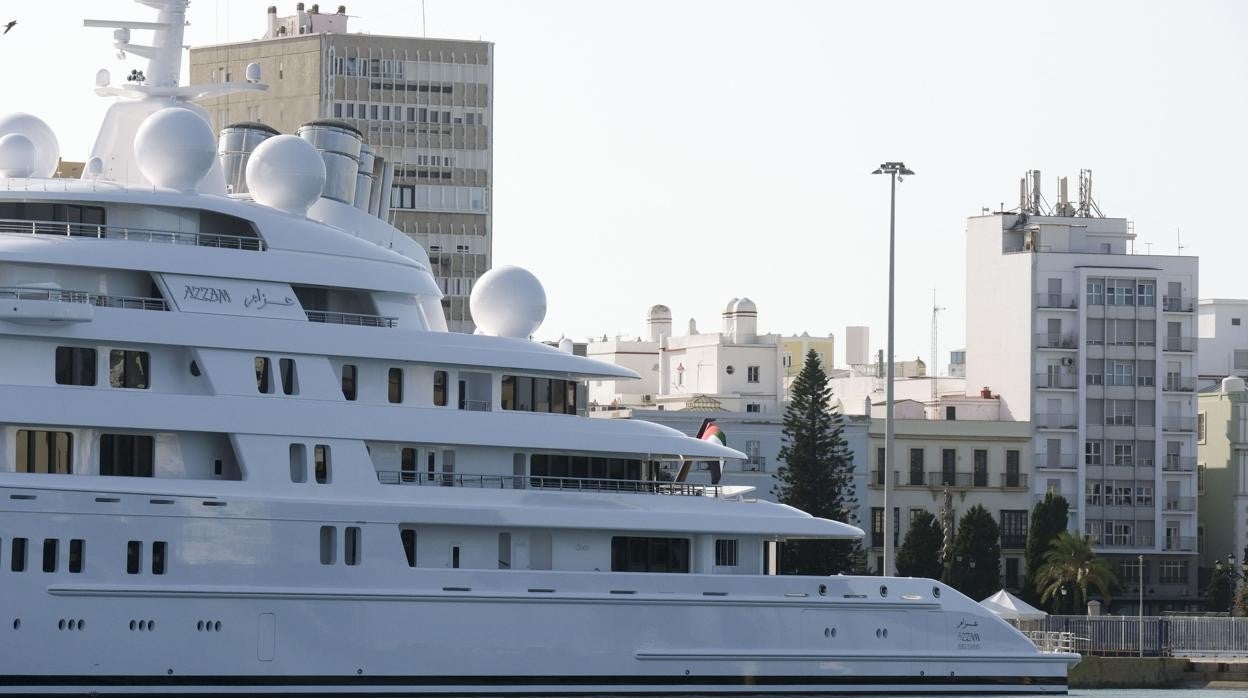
(239, 453)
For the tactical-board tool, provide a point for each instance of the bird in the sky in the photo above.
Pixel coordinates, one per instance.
(9, 26)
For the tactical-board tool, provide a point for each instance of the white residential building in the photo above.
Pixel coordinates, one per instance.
(1223, 343)
(857, 345)
(1096, 346)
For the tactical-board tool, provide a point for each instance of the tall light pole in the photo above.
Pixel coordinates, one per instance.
(1141, 621)
(895, 170)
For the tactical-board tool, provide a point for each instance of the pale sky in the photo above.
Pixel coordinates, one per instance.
(688, 152)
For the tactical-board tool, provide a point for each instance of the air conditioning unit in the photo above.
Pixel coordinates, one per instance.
(1068, 361)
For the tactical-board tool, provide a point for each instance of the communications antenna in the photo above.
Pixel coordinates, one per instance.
(935, 335)
(1087, 206)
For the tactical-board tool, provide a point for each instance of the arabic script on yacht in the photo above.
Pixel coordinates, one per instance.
(242, 454)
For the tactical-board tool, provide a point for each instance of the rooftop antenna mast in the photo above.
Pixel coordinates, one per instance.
(1178, 239)
(1087, 206)
(935, 335)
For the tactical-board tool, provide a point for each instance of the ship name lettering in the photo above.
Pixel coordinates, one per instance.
(207, 294)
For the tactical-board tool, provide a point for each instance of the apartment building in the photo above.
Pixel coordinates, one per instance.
(1223, 340)
(1222, 471)
(424, 105)
(1095, 345)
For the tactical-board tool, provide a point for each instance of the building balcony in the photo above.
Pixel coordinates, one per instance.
(1178, 344)
(1054, 420)
(1056, 340)
(1180, 543)
(1180, 424)
(1013, 541)
(1175, 463)
(940, 478)
(1177, 304)
(1059, 461)
(1012, 481)
(1179, 504)
(1139, 540)
(1056, 381)
(1062, 301)
(1176, 383)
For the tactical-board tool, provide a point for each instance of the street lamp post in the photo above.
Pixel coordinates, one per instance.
(1141, 623)
(895, 170)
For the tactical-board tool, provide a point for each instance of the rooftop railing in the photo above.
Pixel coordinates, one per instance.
(541, 482)
(60, 296)
(357, 319)
(113, 232)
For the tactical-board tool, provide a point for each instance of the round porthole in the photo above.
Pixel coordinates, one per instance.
(936, 592)
(823, 589)
(730, 370)
(17, 623)
(195, 369)
(883, 590)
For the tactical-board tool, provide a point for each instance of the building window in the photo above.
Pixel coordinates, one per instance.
(44, 452)
(1096, 292)
(439, 388)
(1200, 478)
(726, 552)
(951, 413)
(753, 407)
(880, 465)
(981, 468)
(630, 554)
(349, 374)
(75, 366)
(787, 360)
(320, 459)
(1144, 496)
(128, 369)
(1013, 528)
(877, 527)
(394, 390)
(1234, 322)
(1173, 571)
(1092, 493)
(290, 385)
(127, 455)
(1124, 453)
(1200, 427)
(916, 466)
(298, 463)
(264, 375)
(751, 374)
(1011, 573)
(1146, 293)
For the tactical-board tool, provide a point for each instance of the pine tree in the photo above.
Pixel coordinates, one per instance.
(1048, 519)
(919, 554)
(976, 568)
(817, 476)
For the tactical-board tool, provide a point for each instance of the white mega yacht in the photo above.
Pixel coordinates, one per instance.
(240, 453)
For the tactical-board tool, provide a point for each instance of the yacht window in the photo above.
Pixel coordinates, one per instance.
(58, 213)
(159, 549)
(455, 556)
(264, 375)
(408, 536)
(541, 394)
(287, 368)
(17, 555)
(75, 366)
(508, 397)
(127, 454)
(528, 394)
(439, 388)
(76, 549)
(44, 451)
(320, 456)
(351, 546)
(328, 536)
(134, 556)
(524, 394)
(298, 463)
(129, 369)
(448, 468)
(395, 387)
(504, 551)
(407, 465)
(629, 554)
(348, 381)
(726, 552)
(49, 554)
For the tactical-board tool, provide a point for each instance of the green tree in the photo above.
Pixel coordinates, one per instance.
(976, 566)
(817, 476)
(1241, 599)
(1221, 587)
(1071, 565)
(1048, 519)
(919, 554)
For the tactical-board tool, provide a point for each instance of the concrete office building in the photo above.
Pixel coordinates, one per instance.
(1096, 347)
(424, 105)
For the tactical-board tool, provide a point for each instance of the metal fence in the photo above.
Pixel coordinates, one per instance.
(1165, 636)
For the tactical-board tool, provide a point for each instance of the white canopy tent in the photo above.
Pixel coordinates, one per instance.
(1010, 607)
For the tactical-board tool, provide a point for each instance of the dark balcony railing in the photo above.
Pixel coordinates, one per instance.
(1055, 420)
(1065, 461)
(1056, 340)
(1056, 381)
(356, 319)
(939, 478)
(1177, 463)
(1177, 304)
(1178, 344)
(1178, 424)
(1176, 383)
(1180, 503)
(1013, 541)
(1056, 300)
(1013, 480)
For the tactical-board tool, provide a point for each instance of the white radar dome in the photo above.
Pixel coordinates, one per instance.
(17, 156)
(47, 149)
(508, 302)
(175, 148)
(286, 173)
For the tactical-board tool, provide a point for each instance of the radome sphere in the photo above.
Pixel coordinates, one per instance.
(175, 148)
(287, 173)
(47, 149)
(17, 156)
(508, 301)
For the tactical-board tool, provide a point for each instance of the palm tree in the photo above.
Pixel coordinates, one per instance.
(1071, 564)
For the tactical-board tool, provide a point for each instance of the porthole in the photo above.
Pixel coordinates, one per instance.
(216, 626)
(833, 632)
(143, 625)
(60, 625)
(17, 623)
(730, 370)
(200, 626)
(877, 633)
(195, 369)
(885, 633)
(827, 632)
(936, 592)
(883, 590)
(823, 589)
(81, 623)
(134, 624)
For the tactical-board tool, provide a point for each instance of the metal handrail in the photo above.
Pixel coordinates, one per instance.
(113, 232)
(521, 482)
(61, 296)
(356, 319)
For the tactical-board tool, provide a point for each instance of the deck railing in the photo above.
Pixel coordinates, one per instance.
(61, 296)
(1152, 636)
(356, 319)
(115, 232)
(543, 482)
